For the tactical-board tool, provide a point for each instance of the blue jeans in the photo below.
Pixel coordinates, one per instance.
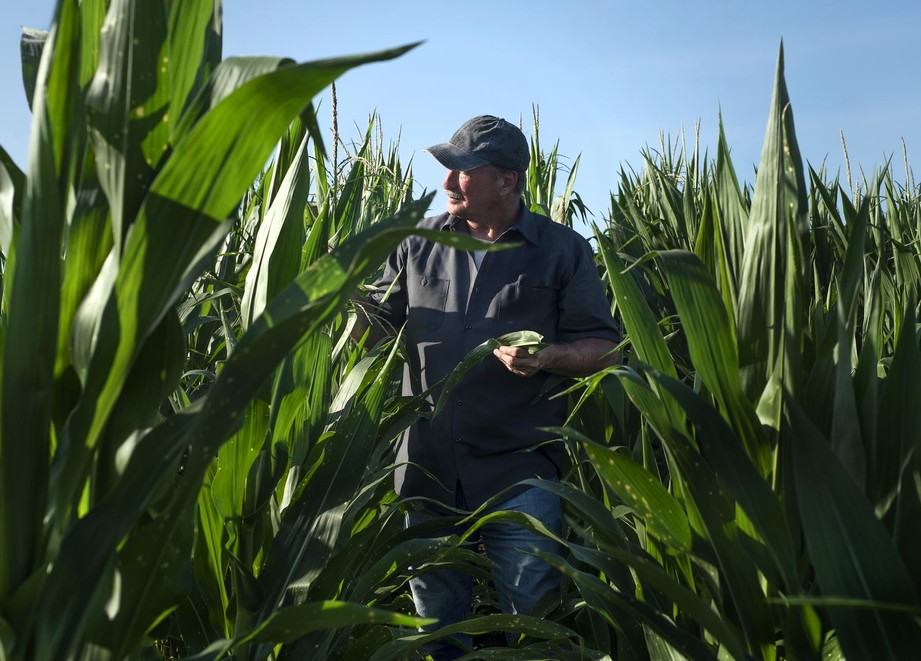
(521, 579)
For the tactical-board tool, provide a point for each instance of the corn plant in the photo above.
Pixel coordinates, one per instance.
(540, 192)
(143, 145)
(295, 500)
(773, 354)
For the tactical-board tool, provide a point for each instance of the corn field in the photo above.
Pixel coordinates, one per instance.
(197, 462)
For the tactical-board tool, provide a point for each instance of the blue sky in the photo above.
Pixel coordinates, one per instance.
(607, 76)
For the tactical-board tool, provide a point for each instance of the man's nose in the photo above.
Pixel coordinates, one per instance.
(450, 180)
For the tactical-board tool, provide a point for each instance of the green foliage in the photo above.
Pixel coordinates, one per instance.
(162, 468)
(193, 453)
(772, 351)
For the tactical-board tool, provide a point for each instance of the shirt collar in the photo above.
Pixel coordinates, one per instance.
(524, 224)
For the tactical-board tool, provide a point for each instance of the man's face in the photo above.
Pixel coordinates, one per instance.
(473, 194)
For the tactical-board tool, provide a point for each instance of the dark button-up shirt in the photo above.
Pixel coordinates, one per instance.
(485, 438)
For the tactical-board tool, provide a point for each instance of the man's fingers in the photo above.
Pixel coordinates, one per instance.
(517, 360)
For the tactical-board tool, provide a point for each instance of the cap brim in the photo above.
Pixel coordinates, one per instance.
(455, 159)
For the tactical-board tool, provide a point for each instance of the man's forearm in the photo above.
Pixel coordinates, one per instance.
(579, 358)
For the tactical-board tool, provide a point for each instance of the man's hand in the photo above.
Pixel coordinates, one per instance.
(519, 360)
(575, 359)
(366, 320)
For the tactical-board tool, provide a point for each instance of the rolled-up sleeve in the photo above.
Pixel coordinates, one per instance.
(583, 307)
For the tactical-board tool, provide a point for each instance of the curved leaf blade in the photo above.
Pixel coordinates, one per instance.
(854, 556)
(636, 487)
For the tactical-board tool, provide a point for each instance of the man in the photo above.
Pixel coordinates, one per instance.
(450, 301)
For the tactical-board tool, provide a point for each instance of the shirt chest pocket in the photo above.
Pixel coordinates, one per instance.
(527, 306)
(427, 299)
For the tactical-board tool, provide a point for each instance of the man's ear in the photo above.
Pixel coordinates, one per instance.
(509, 181)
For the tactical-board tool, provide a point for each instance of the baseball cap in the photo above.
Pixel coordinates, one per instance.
(484, 140)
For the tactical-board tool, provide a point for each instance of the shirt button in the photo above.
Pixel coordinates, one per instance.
(457, 440)
(468, 327)
(460, 402)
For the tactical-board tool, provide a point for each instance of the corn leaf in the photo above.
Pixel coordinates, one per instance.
(617, 606)
(739, 575)
(313, 299)
(181, 222)
(721, 449)
(854, 556)
(607, 526)
(712, 344)
(127, 107)
(210, 560)
(900, 425)
(652, 575)
(32, 296)
(732, 214)
(11, 190)
(771, 289)
(234, 460)
(639, 322)
(662, 514)
(288, 624)
(88, 246)
(189, 43)
(303, 410)
(228, 77)
(89, 547)
(311, 523)
(277, 252)
(526, 624)
(529, 339)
